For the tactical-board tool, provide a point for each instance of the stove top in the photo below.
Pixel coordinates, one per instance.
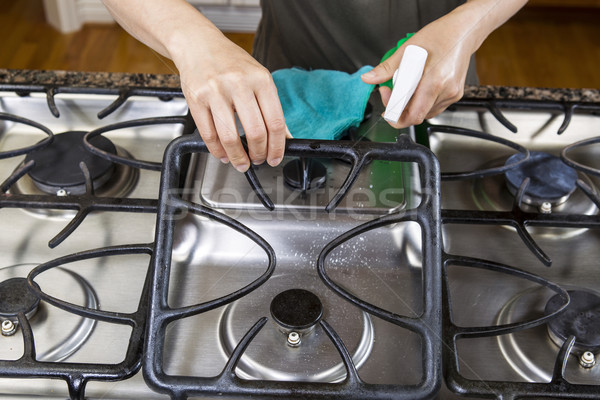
(456, 257)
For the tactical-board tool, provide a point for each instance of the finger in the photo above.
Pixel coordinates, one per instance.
(418, 107)
(385, 93)
(449, 96)
(277, 130)
(254, 127)
(224, 120)
(384, 71)
(439, 108)
(206, 128)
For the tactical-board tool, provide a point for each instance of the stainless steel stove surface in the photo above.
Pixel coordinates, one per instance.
(563, 250)
(171, 274)
(30, 218)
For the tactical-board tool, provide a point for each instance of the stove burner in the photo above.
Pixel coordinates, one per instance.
(270, 356)
(304, 174)
(58, 334)
(296, 310)
(15, 298)
(530, 352)
(580, 319)
(57, 165)
(491, 193)
(551, 180)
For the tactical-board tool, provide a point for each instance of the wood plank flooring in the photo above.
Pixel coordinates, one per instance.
(540, 47)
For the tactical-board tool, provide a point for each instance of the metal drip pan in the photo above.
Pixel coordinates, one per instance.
(270, 357)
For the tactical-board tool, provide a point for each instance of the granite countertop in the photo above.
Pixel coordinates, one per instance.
(106, 80)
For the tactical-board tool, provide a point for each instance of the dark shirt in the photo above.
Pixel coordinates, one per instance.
(339, 34)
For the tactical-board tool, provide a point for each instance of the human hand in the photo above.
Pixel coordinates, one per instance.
(450, 41)
(444, 75)
(219, 78)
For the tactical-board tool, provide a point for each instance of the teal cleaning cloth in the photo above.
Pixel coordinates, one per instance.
(321, 104)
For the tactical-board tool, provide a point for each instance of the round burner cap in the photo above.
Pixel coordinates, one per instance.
(580, 319)
(57, 165)
(16, 297)
(551, 180)
(296, 309)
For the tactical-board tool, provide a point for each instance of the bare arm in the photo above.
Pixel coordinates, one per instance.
(450, 42)
(218, 78)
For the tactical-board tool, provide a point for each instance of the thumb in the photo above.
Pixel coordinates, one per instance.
(384, 71)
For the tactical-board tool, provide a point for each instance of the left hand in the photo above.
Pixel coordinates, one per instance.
(450, 42)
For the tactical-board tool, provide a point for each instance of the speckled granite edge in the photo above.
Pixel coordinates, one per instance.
(104, 80)
(108, 80)
(529, 93)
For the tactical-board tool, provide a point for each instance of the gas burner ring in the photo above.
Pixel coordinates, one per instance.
(532, 352)
(16, 298)
(120, 184)
(282, 361)
(296, 311)
(581, 319)
(57, 165)
(52, 344)
(492, 194)
(551, 180)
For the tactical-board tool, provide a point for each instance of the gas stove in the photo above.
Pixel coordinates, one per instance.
(454, 258)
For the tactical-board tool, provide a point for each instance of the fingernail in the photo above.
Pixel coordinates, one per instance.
(288, 134)
(258, 162)
(242, 167)
(224, 160)
(369, 75)
(275, 162)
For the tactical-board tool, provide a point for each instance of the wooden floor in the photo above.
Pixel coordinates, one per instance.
(540, 47)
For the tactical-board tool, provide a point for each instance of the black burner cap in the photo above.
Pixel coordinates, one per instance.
(304, 173)
(551, 179)
(581, 319)
(57, 165)
(296, 309)
(16, 297)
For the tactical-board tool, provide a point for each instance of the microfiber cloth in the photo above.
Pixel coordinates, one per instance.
(321, 104)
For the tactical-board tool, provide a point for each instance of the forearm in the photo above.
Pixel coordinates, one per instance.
(218, 79)
(482, 17)
(163, 25)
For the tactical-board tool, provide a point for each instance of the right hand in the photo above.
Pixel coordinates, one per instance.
(219, 78)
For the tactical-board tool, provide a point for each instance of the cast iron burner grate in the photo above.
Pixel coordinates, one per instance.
(153, 315)
(427, 325)
(516, 169)
(76, 374)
